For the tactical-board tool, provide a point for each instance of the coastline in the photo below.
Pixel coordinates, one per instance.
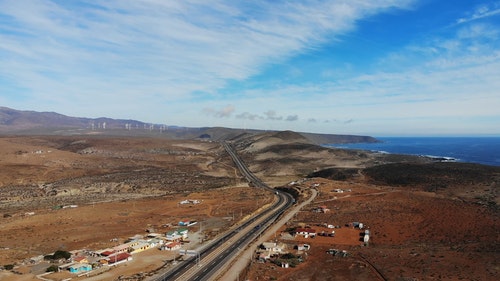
(478, 150)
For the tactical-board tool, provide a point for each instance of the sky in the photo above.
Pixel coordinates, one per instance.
(364, 67)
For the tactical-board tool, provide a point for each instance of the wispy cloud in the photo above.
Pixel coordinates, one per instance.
(156, 52)
(483, 11)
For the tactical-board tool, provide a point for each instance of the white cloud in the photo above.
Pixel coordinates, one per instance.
(482, 11)
(221, 113)
(272, 115)
(248, 116)
(75, 52)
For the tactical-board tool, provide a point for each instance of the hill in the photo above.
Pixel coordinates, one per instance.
(19, 122)
(33, 122)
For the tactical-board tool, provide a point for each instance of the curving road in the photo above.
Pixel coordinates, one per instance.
(225, 248)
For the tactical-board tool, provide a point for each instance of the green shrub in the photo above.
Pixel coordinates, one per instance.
(59, 254)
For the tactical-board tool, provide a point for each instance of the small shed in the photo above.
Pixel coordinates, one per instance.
(366, 238)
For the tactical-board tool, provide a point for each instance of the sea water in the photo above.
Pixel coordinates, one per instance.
(482, 150)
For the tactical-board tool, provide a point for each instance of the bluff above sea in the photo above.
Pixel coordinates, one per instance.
(482, 150)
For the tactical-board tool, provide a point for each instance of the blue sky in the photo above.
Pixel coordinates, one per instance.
(381, 68)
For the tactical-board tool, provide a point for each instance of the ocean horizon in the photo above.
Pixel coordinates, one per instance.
(481, 150)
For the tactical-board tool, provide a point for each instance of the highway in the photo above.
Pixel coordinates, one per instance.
(209, 260)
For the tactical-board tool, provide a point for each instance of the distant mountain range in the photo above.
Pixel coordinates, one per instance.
(12, 120)
(22, 122)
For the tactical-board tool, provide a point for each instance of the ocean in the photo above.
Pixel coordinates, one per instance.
(482, 150)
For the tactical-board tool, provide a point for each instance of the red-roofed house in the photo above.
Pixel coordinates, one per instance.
(107, 253)
(172, 246)
(121, 257)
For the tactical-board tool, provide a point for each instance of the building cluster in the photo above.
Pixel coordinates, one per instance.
(281, 254)
(85, 261)
(308, 232)
(365, 233)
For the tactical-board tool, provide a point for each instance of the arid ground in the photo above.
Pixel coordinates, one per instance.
(428, 221)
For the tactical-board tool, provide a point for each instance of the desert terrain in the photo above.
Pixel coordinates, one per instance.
(427, 221)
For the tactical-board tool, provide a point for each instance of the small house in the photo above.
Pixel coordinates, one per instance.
(358, 225)
(183, 232)
(80, 267)
(303, 247)
(119, 258)
(172, 246)
(142, 246)
(173, 236)
(268, 245)
(272, 247)
(178, 234)
(65, 266)
(155, 242)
